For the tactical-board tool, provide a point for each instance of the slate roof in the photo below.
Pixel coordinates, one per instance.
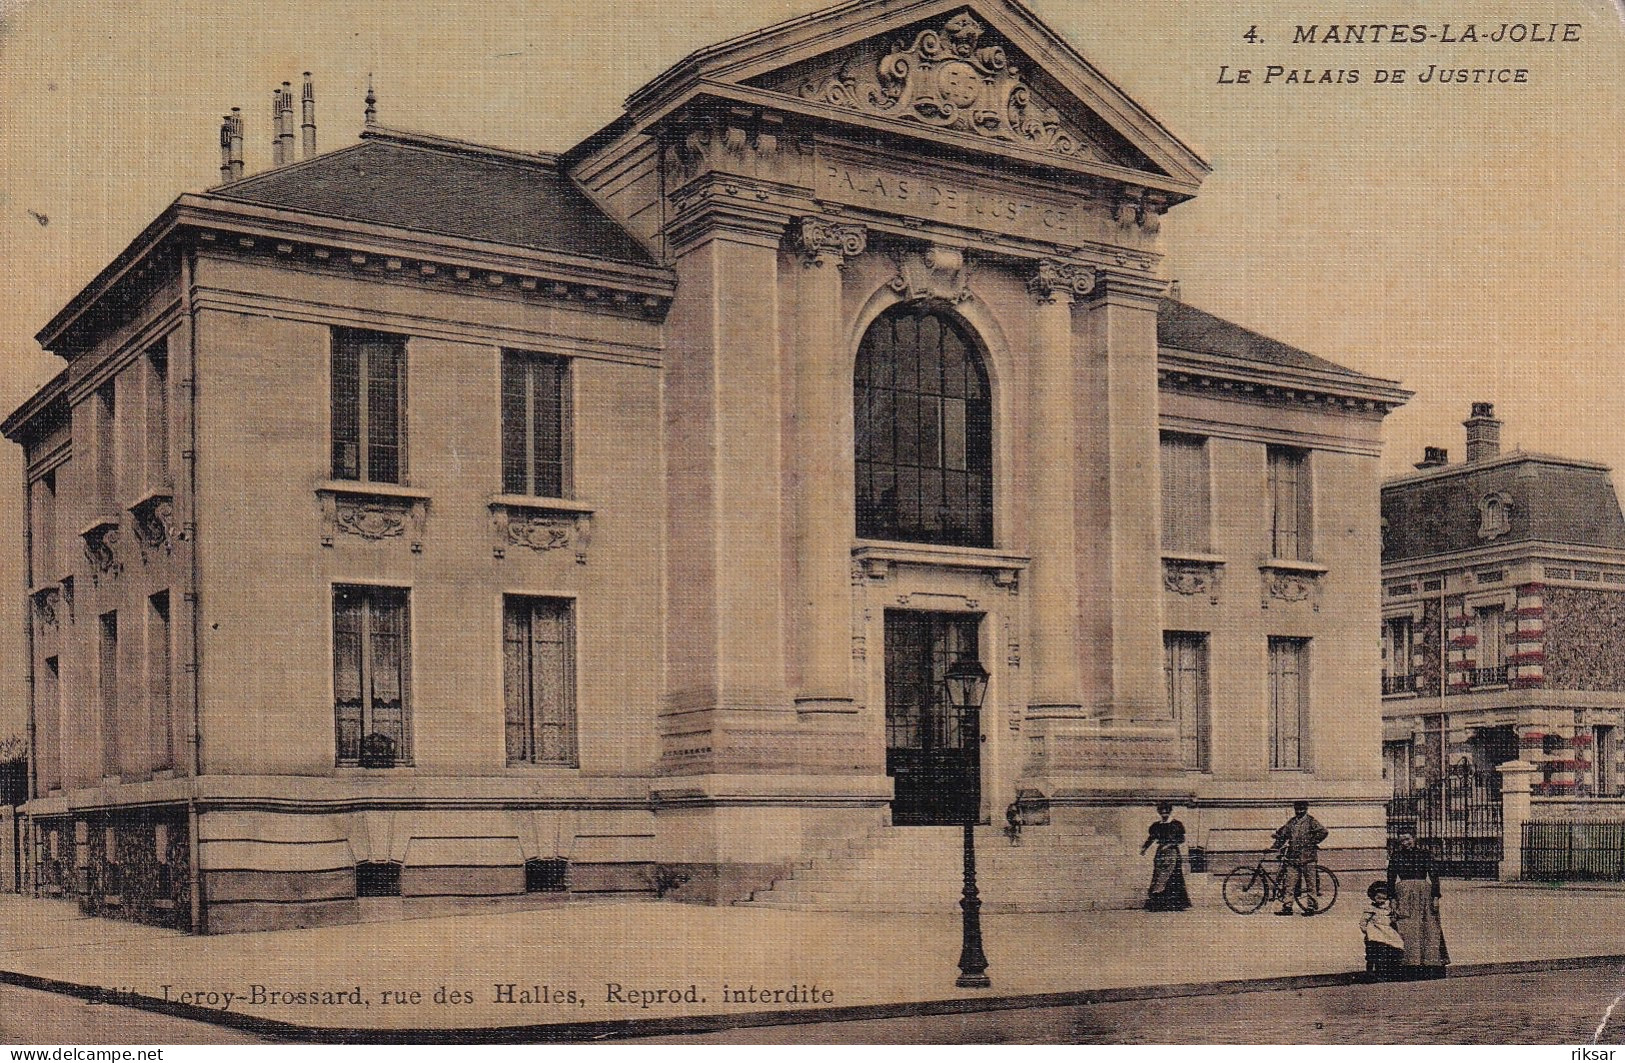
(1186, 328)
(430, 185)
(1553, 500)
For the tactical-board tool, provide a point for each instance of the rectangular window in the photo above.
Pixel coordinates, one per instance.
(538, 654)
(369, 406)
(106, 446)
(158, 685)
(42, 530)
(107, 682)
(1185, 672)
(1605, 760)
(535, 425)
(1492, 646)
(1289, 503)
(158, 416)
(1398, 649)
(1289, 702)
(1185, 516)
(371, 676)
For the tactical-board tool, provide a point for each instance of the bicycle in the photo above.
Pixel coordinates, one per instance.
(1246, 889)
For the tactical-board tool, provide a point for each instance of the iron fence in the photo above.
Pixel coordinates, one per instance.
(1456, 818)
(1573, 852)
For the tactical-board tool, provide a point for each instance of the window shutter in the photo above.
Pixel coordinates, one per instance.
(553, 682)
(384, 363)
(516, 680)
(548, 428)
(346, 406)
(515, 478)
(347, 676)
(1185, 517)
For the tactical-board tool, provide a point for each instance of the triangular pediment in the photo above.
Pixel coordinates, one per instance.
(970, 73)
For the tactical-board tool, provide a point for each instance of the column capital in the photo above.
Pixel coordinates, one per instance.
(823, 242)
(1056, 280)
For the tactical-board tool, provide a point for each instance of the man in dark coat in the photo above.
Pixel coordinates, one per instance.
(1299, 840)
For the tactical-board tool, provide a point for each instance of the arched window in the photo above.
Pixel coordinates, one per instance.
(923, 423)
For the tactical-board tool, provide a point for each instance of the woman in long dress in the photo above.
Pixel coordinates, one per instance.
(1414, 882)
(1167, 893)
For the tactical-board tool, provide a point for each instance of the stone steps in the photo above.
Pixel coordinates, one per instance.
(1067, 867)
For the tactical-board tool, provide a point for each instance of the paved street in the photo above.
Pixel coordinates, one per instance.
(613, 963)
(30, 1017)
(1554, 1007)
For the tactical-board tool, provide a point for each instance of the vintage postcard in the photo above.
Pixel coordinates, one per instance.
(768, 521)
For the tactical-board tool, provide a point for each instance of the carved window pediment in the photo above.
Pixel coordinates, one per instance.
(1291, 582)
(373, 512)
(1193, 575)
(541, 525)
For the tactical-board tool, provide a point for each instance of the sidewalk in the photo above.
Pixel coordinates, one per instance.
(566, 963)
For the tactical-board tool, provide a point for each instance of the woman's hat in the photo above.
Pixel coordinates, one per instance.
(1376, 888)
(1165, 806)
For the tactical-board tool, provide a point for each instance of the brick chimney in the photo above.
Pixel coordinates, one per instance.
(1433, 457)
(1483, 433)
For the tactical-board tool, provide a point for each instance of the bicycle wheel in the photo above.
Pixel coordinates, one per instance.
(1246, 889)
(1316, 891)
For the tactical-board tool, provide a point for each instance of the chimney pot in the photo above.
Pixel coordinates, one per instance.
(308, 126)
(236, 121)
(1433, 458)
(1483, 432)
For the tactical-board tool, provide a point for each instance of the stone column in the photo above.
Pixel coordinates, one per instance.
(1516, 777)
(821, 470)
(1122, 320)
(727, 705)
(1052, 581)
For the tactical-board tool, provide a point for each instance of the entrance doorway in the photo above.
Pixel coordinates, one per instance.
(1492, 746)
(933, 747)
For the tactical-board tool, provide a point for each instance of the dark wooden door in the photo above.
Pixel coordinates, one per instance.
(932, 747)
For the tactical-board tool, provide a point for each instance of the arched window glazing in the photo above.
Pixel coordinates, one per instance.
(924, 436)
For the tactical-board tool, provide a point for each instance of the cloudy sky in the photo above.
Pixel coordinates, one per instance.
(1463, 239)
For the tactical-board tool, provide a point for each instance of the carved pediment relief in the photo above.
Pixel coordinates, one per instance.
(959, 75)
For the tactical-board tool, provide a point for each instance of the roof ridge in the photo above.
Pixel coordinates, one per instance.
(286, 167)
(413, 138)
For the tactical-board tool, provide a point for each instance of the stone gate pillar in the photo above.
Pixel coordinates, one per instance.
(1516, 778)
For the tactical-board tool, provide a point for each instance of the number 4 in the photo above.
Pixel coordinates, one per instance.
(1251, 36)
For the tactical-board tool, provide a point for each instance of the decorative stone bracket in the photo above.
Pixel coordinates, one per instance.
(154, 517)
(1193, 574)
(101, 536)
(1291, 581)
(540, 524)
(48, 602)
(373, 512)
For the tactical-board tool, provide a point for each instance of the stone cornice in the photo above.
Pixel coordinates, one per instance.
(1526, 551)
(710, 96)
(317, 241)
(1234, 378)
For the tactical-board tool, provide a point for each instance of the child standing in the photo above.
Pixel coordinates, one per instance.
(1384, 949)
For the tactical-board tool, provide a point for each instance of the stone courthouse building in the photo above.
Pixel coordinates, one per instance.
(1503, 617)
(431, 520)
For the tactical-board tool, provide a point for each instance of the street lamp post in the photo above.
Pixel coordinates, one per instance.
(966, 680)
